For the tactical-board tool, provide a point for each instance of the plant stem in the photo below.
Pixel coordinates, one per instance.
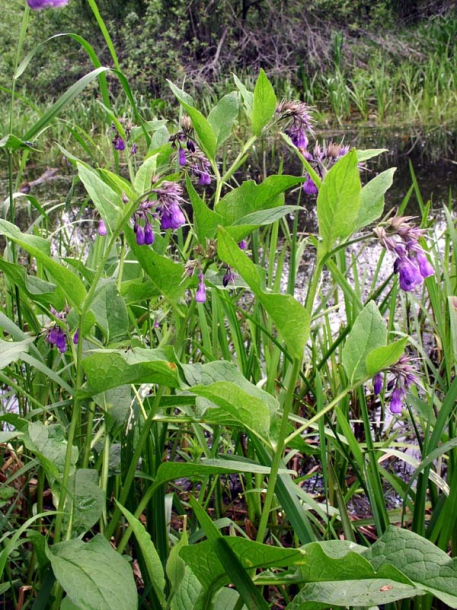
(287, 409)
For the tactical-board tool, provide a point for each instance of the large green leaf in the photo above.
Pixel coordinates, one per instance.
(251, 197)
(223, 115)
(167, 276)
(338, 201)
(93, 574)
(206, 565)
(248, 96)
(206, 220)
(290, 318)
(68, 281)
(110, 311)
(12, 351)
(246, 225)
(107, 201)
(87, 500)
(142, 181)
(203, 129)
(36, 289)
(383, 357)
(111, 368)
(250, 411)
(150, 555)
(337, 574)
(427, 566)
(367, 334)
(264, 104)
(372, 198)
(49, 444)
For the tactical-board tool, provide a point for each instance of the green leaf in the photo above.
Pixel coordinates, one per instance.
(338, 201)
(167, 276)
(364, 155)
(205, 220)
(205, 134)
(223, 115)
(49, 444)
(68, 281)
(143, 177)
(251, 412)
(222, 370)
(207, 566)
(116, 402)
(87, 500)
(337, 574)
(372, 198)
(107, 201)
(111, 368)
(150, 555)
(248, 96)
(110, 312)
(170, 471)
(251, 197)
(188, 592)
(290, 318)
(176, 567)
(383, 357)
(69, 95)
(246, 225)
(93, 575)
(427, 566)
(264, 105)
(12, 351)
(367, 334)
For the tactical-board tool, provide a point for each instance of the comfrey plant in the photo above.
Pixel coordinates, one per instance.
(195, 384)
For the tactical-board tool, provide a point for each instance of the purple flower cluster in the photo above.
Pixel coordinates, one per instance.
(403, 376)
(36, 5)
(166, 207)
(119, 142)
(191, 155)
(322, 158)
(55, 333)
(200, 295)
(411, 263)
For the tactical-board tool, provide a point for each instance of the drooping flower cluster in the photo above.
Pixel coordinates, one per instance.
(402, 239)
(56, 333)
(402, 375)
(36, 5)
(166, 207)
(189, 153)
(300, 123)
(119, 142)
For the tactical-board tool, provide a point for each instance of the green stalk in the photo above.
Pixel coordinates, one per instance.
(104, 31)
(135, 459)
(287, 409)
(77, 405)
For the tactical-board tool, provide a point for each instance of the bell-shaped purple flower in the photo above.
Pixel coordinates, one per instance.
(425, 267)
(148, 234)
(182, 156)
(200, 295)
(309, 187)
(229, 277)
(409, 274)
(140, 239)
(118, 143)
(76, 337)
(377, 383)
(61, 342)
(102, 230)
(53, 335)
(243, 244)
(39, 4)
(190, 146)
(172, 217)
(204, 179)
(396, 402)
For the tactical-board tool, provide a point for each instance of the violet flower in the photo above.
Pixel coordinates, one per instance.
(409, 274)
(182, 156)
(102, 230)
(396, 402)
(309, 187)
(40, 4)
(200, 295)
(377, 383)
